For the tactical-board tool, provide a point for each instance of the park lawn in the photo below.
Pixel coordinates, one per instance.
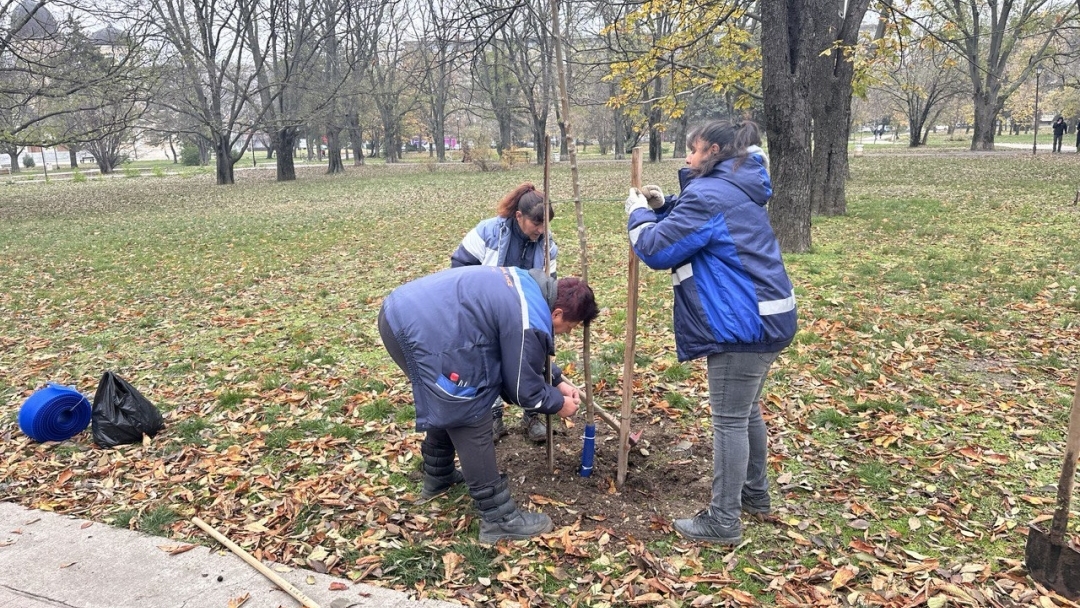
(916, 423)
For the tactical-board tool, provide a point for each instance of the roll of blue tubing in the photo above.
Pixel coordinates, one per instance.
(54, 413)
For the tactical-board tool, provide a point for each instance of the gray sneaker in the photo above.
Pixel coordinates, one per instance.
(705, 527)
(536, 428)
(518, 525)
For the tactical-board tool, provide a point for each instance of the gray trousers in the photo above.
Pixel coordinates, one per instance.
(740, 450)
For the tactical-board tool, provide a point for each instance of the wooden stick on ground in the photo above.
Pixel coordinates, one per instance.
(285, 585)
(631, 337)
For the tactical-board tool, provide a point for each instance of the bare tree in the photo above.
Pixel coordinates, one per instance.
(920, 80)
(393, 76)
(205, 40)
(50, 71)
(986, 33)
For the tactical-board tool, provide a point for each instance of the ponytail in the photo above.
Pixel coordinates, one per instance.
(731, 137)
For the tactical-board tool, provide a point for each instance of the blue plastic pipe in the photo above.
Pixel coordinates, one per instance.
(588, 450)
(54, 413)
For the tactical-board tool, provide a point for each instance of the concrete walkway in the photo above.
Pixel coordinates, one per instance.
(55, 561)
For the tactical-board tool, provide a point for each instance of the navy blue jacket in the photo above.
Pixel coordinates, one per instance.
(472, 334)
(732, 292)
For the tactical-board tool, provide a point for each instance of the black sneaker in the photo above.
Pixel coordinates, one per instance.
(705, 527)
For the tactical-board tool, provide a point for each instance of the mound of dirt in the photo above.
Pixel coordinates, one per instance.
(669, 475)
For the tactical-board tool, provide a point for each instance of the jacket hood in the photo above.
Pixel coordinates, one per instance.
(548, 286)
(751, 175)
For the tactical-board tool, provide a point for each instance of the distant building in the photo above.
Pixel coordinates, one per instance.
(32, 21)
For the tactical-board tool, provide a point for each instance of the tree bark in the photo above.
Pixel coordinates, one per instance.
(987, 106)
(356, 137)
(333, 150)
(284, 140)
(223, 156)
(831, 92)
(786, 70)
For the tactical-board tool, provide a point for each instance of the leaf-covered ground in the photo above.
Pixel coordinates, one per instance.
(916, 425)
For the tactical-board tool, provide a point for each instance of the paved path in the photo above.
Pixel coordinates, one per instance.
(55, 561)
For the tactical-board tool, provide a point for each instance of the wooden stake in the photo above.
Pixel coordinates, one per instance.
(631, 337)
(285, 585)
(547, 272)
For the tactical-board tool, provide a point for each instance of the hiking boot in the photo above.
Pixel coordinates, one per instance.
(500, 518)
(435, 486)
(705, 527)
(535, 428)
(498, 429)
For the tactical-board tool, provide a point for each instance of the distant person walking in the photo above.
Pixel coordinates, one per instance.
(1060, 126)
(1078, 135)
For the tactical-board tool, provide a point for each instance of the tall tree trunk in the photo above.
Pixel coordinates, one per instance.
(619, 137)
(13, 153)
(786, 71)
(986, 110)
(333, 149)
(284, 140)
(73, 158)
(539, 132)
(680, 137)
(656, 144)
(831, 92)
(356, 137)
(223, 154)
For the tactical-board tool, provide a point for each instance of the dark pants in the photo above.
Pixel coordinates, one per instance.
(1057, 141)
(474, 443)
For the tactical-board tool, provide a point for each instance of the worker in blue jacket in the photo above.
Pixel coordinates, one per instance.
(514, 237)
(465, 337)
(734, 304)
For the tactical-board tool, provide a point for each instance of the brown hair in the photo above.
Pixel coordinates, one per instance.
(733, 138)
(575, 298)
(528, 200)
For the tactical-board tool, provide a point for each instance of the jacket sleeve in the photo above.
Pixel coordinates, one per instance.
(669, 238)
(470, 252)
(524, 354)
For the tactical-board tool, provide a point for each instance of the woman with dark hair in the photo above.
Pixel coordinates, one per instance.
(514, 237)
(734, 304)
(465, 336)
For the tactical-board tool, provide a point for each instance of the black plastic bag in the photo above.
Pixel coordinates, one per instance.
(121, 414)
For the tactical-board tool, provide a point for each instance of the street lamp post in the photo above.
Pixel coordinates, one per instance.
(1034, 143)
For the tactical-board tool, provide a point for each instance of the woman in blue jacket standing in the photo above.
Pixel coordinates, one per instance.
(465, 336)
(514, 237)
(734, 304)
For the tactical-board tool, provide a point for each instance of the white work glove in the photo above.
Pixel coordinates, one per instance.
(654, 195)
(636, 200)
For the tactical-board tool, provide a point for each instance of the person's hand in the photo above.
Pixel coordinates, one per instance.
(571, 391)
(654, 196)
(636, 200)
(569, 407)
